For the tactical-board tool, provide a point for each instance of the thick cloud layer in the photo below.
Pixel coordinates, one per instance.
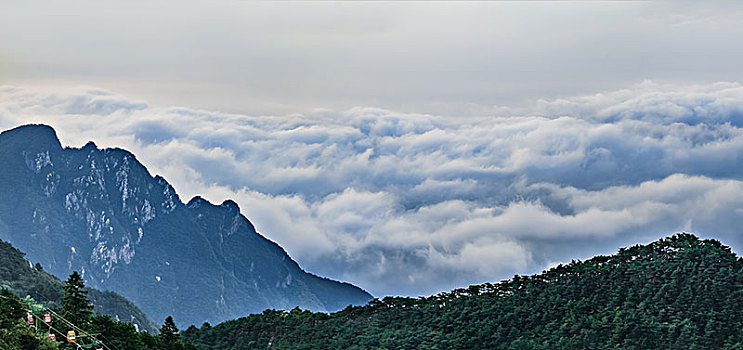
(414, 204)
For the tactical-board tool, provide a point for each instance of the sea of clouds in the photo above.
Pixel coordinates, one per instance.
(413, 204)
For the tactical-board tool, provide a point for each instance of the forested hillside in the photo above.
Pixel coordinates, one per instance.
(26, 324)
(23, 278)
(677, 293)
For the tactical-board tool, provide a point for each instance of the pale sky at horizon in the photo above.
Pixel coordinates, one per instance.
(443, 58)
(419, 146)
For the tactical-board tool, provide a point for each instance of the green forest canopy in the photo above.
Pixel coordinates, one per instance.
(677, 293)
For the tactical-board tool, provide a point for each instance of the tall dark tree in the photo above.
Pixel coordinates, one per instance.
(76, 307)
(169, 335)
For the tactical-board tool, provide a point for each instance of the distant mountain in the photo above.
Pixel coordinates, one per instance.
(99, 211)
(25, 278)
(676, 293)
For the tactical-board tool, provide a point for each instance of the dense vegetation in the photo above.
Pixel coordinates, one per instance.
(14, 333)
(75, 313)
(676, 293)
(22, 278)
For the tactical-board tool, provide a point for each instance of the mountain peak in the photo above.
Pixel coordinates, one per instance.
(197, 201)
(231, 205)
(90, 146)
(32, 136)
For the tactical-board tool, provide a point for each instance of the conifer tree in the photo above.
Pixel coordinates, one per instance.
(169, 334)
(76, 307)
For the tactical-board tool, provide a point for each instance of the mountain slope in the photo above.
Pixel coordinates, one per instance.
(24, 278)
(102, 213)
(676, 293)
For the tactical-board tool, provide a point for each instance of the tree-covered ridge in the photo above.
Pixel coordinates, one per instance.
(24, 278)
(677, 293)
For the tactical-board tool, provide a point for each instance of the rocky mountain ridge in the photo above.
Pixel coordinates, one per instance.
(99, 211)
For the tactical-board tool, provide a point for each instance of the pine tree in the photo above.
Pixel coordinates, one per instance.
(169, 335)
(76, 307)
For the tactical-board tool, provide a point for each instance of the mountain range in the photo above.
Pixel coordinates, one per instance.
(100, 212)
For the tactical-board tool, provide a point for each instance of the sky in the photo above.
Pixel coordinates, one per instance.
(407, 147)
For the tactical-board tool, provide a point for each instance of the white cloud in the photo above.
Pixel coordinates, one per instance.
(403, 203)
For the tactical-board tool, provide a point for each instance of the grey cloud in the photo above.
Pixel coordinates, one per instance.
(403, 203)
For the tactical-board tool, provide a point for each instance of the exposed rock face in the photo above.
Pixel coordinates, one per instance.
(99, 211)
